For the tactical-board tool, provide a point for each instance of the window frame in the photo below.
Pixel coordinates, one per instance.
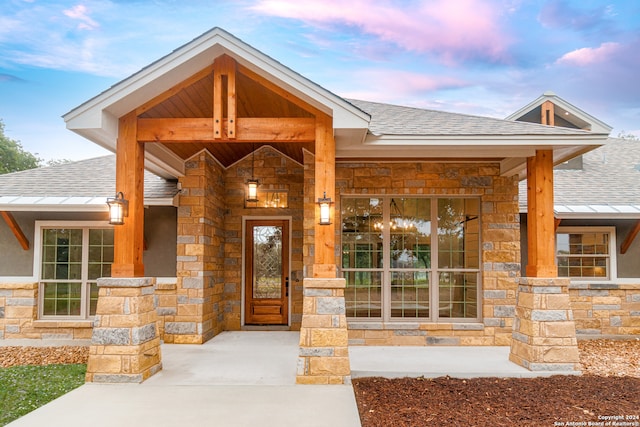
(611, 231)
(37, 264)
(433, 271)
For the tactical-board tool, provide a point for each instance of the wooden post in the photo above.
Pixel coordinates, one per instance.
(325, 183)
(540, 216)
(548, 114)
(129, 238)
(224, 66)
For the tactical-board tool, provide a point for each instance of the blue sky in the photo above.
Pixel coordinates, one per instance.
(484, 57)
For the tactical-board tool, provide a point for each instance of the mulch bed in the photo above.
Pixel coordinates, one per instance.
(552, 401)
(609, 388)
(14, 355)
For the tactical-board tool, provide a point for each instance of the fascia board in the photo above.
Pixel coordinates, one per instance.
(195, 56)
(489, 140)
(92, 206)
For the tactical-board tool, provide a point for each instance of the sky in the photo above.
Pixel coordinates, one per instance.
(481, 57)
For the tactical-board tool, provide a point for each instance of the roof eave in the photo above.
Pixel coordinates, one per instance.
(97, 118)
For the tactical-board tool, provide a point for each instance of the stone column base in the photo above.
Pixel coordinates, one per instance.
(544, 332)
(125, 345)
(324, 351)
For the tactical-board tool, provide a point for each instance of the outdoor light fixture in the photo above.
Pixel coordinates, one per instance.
(325, 209)
(252, 190)
(252, 184)
(118, 208)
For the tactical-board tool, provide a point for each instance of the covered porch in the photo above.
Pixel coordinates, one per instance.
(217, 115)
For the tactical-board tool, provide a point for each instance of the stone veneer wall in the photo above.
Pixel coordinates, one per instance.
(200, 253)
(605, 309)
(500, 246)
(19, 317)
(309, 214)
(275, 172)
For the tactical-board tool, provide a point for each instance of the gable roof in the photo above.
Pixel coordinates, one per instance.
(607, 186)
(97, 118)
(567, 114)
(387, 119)
(406, 132)
(78, 186)
(362, 129)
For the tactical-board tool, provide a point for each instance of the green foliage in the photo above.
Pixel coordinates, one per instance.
(630, 136)
(13, 157)
(56, 162)
(25, 388)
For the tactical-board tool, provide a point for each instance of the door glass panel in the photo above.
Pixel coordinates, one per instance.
(267, 261)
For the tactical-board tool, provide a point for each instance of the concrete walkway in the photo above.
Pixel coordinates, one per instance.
(248, 379)
(235, 379)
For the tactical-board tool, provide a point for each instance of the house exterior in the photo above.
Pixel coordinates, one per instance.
(597, 220)
(421, 245)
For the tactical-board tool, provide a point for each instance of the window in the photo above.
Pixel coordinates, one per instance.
(585, 252)
(411, 258)
(72, 258)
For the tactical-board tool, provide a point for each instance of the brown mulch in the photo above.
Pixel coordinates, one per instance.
(609, 387)
(12, 356)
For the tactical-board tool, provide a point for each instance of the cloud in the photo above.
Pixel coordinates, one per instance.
(455, 31)
(589, 55)
(561, 14)
(81, 13)
(396, 85)
(10, 78)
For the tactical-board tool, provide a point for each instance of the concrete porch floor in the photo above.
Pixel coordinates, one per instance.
(248, 379)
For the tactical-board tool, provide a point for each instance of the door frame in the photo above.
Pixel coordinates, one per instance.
(246, 218)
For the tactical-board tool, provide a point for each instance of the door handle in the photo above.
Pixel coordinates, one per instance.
(286, 286)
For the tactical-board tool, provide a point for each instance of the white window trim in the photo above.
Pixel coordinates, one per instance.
(613, 264)
(37, 260)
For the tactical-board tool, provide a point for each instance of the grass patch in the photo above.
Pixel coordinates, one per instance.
(25, 388)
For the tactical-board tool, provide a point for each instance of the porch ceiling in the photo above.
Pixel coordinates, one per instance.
(253, 100)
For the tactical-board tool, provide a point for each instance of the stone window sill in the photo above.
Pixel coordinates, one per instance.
(63, 323)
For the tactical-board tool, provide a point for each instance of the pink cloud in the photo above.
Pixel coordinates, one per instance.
(455, 30)
(80, 12)
(392, 85)
(589, 55)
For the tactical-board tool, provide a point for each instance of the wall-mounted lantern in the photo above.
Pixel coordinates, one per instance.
(118, 209)
(325, 209)
(253, 183)
(252, 190)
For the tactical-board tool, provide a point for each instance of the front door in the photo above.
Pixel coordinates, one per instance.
(267, 272)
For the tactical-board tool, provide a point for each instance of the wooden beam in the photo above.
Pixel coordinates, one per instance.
(129, 238)
(174, 90)
(224, 78)
(325, 184)
(556, 223)
(217, 101)
(540, 216)
(15, 228)
(276, 129)
(548, 114)
(280, 91)
(630, 238)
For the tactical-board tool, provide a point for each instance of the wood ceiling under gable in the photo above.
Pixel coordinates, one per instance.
(194, 99)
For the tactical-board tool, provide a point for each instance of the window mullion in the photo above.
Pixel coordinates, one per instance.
(386, 260)
(434, 282)
(84, 273)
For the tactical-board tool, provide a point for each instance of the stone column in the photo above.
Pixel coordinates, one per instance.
(544, 332)
(324, 352)
(125, 346)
